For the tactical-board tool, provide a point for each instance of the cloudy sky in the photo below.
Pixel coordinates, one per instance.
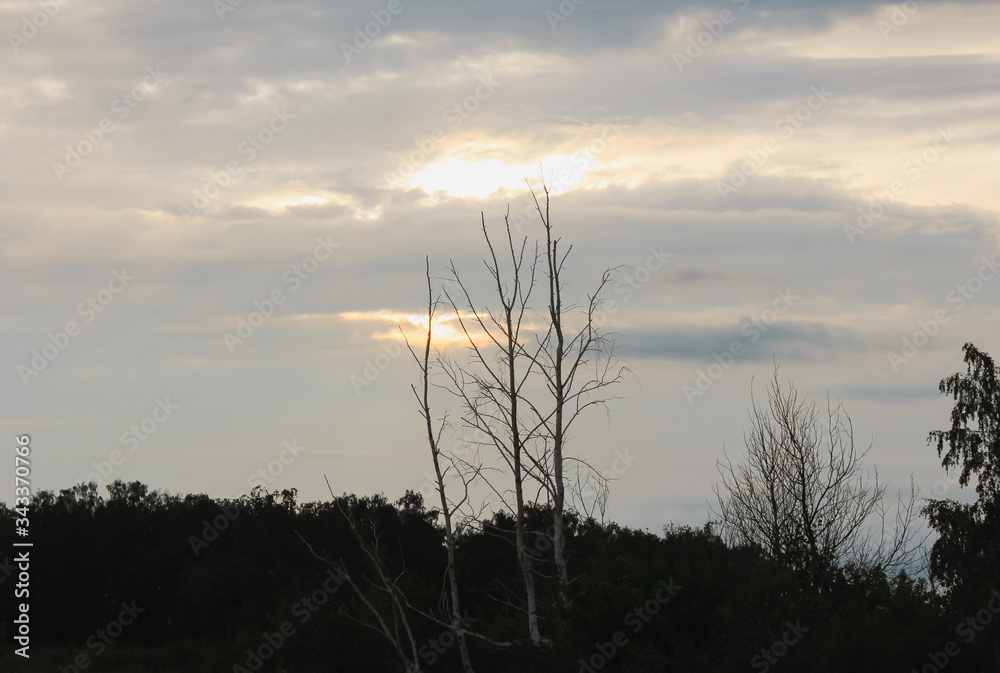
(817, 181)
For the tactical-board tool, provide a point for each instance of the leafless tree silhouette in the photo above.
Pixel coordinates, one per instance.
(434, 442)
(802, 496)
(531, 374)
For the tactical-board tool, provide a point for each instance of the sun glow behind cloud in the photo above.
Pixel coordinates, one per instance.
(445, 330)
(284, 200)
(302, 201)
(478, 179)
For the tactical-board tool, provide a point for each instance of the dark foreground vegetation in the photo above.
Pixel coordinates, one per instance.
(681, 601)
(142, 580)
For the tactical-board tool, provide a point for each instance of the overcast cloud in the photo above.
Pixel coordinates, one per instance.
(183, 160)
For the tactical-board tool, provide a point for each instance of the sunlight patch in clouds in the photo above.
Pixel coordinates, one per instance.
(287, 200)
(301, 201)
(476, 179)
(445, 330)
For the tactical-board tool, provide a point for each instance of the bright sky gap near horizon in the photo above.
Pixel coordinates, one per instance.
(802, 182)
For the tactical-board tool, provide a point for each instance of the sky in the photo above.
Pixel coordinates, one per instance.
(214, 215)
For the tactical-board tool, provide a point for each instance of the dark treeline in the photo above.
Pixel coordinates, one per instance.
(212, 603)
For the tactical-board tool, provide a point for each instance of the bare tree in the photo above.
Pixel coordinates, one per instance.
(562, 358)
(589, 491)
(383, 603)
(394, 626)
(490, 391)
(803, 497)
(532, 373)
(434, 441)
